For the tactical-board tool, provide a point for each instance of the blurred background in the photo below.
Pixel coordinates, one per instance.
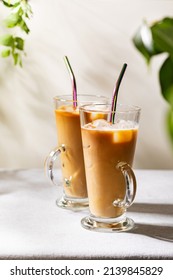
(96, 35)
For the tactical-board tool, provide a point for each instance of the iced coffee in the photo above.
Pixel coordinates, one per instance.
(109, 148)
(104, 146)
(72, 162)
(69, 150)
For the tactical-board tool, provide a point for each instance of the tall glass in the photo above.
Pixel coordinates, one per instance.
(70, 151)
(109, 146)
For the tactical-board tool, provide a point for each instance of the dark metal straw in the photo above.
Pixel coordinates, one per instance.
(115, 93)
(73, 80)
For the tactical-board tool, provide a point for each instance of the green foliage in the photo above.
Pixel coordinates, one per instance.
(166, 80)
(152, 40)
(13, 45)
(170, 123)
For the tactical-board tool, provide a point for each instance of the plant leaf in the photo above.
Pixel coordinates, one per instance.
(20, 62)
(143, 40)
(7, 40)
(152, 41)
(7, 4)
(20, 11)
(5, 53)
(19, 43)
(166, 80)
(24, 26)
(155, 39)
(15, 58)
(12, 20)
(162, 33)
(16, 3)
(10, 5)
(169, 119)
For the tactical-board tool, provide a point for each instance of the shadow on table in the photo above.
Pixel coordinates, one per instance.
(164, 209)
(164, 233)
(156, 231)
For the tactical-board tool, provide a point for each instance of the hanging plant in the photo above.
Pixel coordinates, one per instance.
(13, 44)
(152, 40)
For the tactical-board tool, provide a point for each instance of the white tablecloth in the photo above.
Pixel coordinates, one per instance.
(33, 227)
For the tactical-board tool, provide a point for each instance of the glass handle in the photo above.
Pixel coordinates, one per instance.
(50, 160)
(130, 184)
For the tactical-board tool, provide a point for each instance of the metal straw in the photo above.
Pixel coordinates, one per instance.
(73, 80)
(115, 93)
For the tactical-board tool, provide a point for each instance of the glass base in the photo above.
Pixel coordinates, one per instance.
(119, 224)
(75, 204)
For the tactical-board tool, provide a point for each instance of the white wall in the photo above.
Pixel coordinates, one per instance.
(96, 36)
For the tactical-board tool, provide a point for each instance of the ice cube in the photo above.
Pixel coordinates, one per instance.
(120, 125)
(100, 123)
(123, 124)
(122, 135)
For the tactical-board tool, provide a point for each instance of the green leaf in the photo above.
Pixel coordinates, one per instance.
(15, 58)
(10, 5)
(166, 80)
(19, 43)
(12, 20)
(143, 40)
(7, 40)
(20, 11)
(162, 33)
(155, 39)
(151, 41)
(7, 4)
(16, 3)
(5, 53)
(20, 62)
(169, 120)
(24, 26)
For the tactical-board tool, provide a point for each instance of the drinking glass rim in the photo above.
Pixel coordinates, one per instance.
(68, 97)
(129, 108)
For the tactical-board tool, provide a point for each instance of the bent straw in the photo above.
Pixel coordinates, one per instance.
(73, 80)
(115, 93)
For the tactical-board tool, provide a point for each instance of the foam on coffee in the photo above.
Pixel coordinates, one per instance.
(121, 131)
(102, 124)
(69, 108)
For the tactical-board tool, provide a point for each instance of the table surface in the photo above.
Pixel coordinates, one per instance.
(33, 227)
